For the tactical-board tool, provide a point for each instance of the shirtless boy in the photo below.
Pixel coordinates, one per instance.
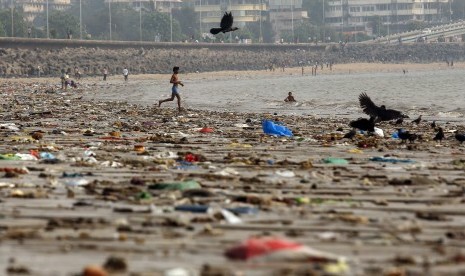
(289, 98)
(174, 90)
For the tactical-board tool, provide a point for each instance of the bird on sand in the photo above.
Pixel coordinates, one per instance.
(225, 25)
(399, 121)
(433, 125)
(364, 124)
(417, 120)
(439, 135)
(460, 137)
(379, 112)
(351, 134)
(405, 135)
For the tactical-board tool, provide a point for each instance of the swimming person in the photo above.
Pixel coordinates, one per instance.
(174, 90)
(289, 98)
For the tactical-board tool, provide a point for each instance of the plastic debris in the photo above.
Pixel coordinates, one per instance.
(271, 128)
(192, 208)
(285, 173)
(177, 272)
(206, 130)
(47, 155)
(230, 217)
(76, 182)
(390, 160)
(335, 161)
(270, 249)
(181, 186)
(379, 132)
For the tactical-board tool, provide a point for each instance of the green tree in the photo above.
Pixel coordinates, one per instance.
(314, 10)
(303, 33)
(458, 10)
(267, 31)
(125, 23)
(95, 18)
(379, 29)
(187, 19)
(60, 24)
(416, 25)
(20, 26)
(2, 30)
(157, 24)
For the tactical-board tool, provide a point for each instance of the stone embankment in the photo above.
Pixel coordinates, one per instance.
(24, 57)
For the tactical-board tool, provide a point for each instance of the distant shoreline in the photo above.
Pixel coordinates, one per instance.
(338, 69)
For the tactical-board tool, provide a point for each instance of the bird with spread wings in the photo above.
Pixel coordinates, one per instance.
(379, 112)
(225, 25)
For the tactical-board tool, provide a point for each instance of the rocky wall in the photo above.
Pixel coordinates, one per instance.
(28, 57)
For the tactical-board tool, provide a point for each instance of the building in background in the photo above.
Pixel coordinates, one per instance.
(286, 14)
(355, 15)
(210, 12)
(152, 5)
(32, 8)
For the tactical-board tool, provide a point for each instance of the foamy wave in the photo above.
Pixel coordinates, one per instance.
(449, 114)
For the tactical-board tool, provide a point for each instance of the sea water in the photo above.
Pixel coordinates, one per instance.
(435, 94)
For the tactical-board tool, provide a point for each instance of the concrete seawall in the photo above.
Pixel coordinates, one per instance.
(25, 57)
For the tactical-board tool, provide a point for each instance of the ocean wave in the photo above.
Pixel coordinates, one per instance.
(451, 114)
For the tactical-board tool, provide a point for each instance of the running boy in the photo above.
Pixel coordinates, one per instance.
(174, 90)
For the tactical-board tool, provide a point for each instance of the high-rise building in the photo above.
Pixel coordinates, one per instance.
(32, 8)
(282, 14)
(158, 5)
(351, 14)
(211, 11)
(286, 14)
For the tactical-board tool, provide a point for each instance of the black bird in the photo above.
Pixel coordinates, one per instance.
(225, 25)
(364, 124)
(439, 135)
(380, 112)
(413, 137)
(460, 137)
(433, 124)
(399, 121)
(351, 134)
(417, 120)
(406, 135)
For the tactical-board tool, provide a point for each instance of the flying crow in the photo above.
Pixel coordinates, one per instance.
(380, 112)
(225, 25)
(364, 124)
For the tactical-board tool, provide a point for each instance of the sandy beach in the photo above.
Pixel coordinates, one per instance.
(104, 184)
(344, 68)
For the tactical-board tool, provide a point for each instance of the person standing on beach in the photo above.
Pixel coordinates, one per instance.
(77, 73)
(125, 73)
(62, 78)
(105, 73)
(174, 90)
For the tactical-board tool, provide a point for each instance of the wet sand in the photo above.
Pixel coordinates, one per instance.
(97, 198)
(345, 68)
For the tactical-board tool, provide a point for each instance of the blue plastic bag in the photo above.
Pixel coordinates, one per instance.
(47, 155)
(390, 160)
(271, 128)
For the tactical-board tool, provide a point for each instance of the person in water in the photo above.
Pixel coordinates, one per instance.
(174, 90)
(289, 98)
